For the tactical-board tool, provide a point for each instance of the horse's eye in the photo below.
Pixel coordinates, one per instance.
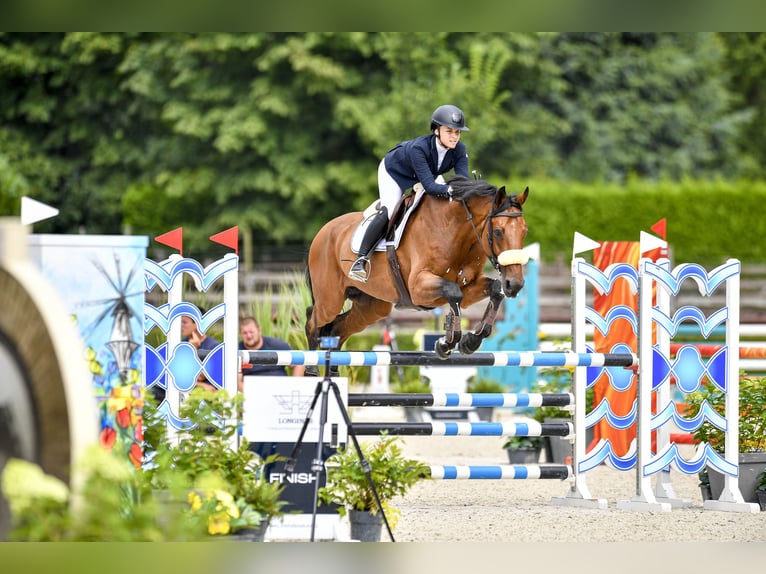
(498, 233)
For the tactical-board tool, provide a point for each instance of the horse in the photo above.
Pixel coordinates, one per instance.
(440, 259)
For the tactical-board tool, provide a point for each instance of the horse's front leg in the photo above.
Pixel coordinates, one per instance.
(426, 289)
(472, 340)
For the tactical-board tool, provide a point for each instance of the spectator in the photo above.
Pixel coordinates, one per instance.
(191, 334)
(254, 340)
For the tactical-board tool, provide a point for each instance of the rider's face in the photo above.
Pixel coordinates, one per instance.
(448, 136)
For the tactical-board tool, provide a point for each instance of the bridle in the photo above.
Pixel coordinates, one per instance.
(509, 203)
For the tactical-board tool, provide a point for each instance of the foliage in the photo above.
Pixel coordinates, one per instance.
(553, 380)
(186, 490)
(206, 452)
(281, 310)
(761, 481)
(391, 472)
(110, 504)
(484, 385)
(752, 419)
(523, 442)
(412, 383)
(279, 132)
(695, 205)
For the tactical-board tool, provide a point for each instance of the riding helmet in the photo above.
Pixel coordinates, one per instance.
(450, 116)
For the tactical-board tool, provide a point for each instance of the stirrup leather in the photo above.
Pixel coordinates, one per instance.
(360, 270)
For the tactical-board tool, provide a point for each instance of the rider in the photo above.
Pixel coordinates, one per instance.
(418, 160)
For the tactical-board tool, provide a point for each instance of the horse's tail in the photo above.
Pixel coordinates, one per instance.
(310, 308)
(308, 282)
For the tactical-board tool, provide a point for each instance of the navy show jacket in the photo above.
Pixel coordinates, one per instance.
(415, 161)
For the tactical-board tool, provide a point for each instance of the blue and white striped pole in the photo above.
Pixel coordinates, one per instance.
(422, 358)
(453, 428)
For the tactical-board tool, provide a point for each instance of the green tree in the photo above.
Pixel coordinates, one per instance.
(651, 105)
(745, 68)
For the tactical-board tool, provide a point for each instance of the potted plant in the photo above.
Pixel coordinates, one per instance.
(760, 490)
(526, 450)
(392, 473)
(752, 431)
(704, 484)
(484, 385)
(555, 380)
(416, 384)
(214, 474)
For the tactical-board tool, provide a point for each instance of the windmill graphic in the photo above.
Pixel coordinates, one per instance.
(121, 342)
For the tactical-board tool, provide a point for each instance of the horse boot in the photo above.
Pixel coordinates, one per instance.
(360, 270)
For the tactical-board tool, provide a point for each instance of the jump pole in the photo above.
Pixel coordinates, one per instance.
(423, 358)
(561, 400)
(446, 428)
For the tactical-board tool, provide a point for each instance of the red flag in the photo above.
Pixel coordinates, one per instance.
(228, 238)
(174, 239)
(659, 228)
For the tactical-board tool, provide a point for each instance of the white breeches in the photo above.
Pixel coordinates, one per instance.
(390, 192)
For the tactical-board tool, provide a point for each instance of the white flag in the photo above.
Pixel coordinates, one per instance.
(33, 211)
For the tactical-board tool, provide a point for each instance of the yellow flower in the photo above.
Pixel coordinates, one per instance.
(226, 502)
(218, 523)
(195, 502)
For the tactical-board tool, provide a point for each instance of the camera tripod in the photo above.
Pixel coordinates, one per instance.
(317, 465)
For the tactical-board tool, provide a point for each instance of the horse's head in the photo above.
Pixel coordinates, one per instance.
(506, 230)
(503, 230)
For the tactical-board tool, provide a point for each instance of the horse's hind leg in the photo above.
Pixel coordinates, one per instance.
(452, 333)
(365, 310)
(472, 340)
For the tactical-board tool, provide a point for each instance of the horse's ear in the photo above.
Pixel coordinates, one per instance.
(523, 197)
(500, 197)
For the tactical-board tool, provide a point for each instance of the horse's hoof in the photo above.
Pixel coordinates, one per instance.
(469, 344)
(442, 349)
(311, 371)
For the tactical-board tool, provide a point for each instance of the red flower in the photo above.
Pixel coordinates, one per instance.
(123, 417)
(136, 455)
(108, 436)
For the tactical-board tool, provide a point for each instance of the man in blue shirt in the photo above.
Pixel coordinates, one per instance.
(252, 339)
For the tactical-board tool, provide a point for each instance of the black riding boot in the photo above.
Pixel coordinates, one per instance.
(360, 270)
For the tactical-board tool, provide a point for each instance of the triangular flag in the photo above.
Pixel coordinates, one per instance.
(174, 239)
(533, 250)
(649, 242)
(583, 243)
(33, 211)
(228, 238)
(659, 228)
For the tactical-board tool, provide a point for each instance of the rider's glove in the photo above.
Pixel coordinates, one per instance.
(444, 194)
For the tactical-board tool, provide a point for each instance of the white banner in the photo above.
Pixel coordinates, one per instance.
(276, 407)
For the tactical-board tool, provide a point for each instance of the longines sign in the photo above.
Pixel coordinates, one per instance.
(276, 408)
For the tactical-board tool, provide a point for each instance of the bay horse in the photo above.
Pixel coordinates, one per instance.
(441, 258)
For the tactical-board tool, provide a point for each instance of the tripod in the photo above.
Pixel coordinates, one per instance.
(317, 465)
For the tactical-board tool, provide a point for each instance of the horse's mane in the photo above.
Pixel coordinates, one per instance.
(466, 188)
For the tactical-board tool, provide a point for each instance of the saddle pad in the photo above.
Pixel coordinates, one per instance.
(356, 238)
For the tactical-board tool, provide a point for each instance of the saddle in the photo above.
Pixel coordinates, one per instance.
(397, 223)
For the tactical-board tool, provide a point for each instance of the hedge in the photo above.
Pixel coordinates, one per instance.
(707, 222)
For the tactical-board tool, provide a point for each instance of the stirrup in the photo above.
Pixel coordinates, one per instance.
(360, 270)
